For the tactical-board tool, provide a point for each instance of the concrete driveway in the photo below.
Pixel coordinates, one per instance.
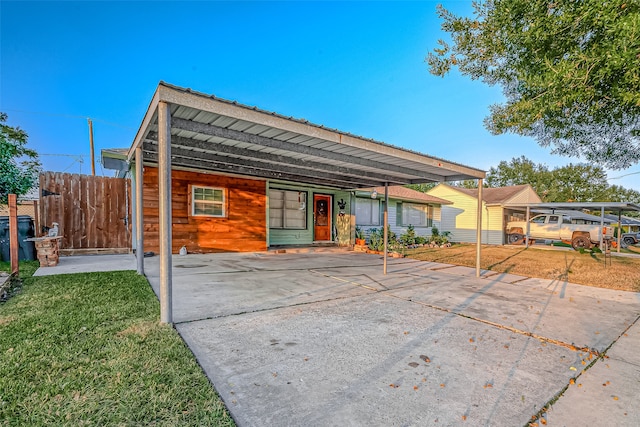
(324, 339)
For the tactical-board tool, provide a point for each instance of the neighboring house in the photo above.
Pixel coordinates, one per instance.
(629, 224)
(27, 204)
(406, 207)
(460, 216)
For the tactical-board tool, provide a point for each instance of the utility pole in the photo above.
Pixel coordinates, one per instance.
(93, 163)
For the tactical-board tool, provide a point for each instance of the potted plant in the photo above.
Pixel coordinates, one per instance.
(360, 238)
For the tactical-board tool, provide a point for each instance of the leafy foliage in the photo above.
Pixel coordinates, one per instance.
(570, 72)
(571, 183)
(439, 237)
(19, 165)
(409, 237)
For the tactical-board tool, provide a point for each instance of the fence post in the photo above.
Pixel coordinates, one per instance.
(13, 233)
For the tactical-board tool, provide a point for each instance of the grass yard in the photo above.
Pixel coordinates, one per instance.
(87, 349)
(572, 266)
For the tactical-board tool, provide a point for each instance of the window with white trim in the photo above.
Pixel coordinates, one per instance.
(207, 201)
(367, 211)
(416, 214)
(287, 209)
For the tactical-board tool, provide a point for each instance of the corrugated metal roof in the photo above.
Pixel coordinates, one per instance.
(215, 134)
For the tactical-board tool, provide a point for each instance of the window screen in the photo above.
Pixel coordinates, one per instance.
(287, 209)
(367, 212)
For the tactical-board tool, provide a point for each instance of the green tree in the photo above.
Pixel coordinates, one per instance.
(577, 183)
(423, 188)
(616, 193)
(19, 165)
(569, 70)
(519, 171)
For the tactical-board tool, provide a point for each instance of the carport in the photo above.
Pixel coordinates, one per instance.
(602, 207)
(188, 130)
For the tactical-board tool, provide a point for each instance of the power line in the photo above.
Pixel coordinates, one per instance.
(69, 116)
(627, 174)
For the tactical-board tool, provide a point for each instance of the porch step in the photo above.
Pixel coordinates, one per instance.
(304, 249)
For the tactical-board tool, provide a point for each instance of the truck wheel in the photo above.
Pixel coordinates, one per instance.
(581, 242)
(628, 240)
(515, 239)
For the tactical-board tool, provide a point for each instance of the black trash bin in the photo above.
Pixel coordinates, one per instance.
(26, 229)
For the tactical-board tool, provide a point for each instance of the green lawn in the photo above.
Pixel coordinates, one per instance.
(87, 349)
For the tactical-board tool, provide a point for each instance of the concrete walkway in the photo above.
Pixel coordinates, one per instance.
(89, 264)
(323, 339)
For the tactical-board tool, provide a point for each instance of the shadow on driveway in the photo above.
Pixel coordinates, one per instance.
(323, 339)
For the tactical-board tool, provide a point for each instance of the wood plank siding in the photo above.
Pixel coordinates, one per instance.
(93, 212)
(242, 229)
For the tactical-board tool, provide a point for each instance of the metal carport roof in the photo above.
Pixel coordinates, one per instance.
(187, 129)
(213, 134)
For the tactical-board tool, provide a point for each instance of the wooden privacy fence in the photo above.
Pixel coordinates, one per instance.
(92, 212)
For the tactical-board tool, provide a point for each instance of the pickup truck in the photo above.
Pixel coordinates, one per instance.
(558, 227)
(630, 238)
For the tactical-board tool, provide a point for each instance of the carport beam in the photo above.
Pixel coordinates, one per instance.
(386, 226)
(479, 228)
(139, 214)
(164, 185)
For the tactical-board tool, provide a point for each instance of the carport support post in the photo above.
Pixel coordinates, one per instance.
(601, 228)
(386, 226)
(619, 230)
(479, 228)
(528, 230)
(164, 185)
(139, 213)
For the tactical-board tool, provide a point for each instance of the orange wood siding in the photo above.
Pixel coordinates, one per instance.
(243, 229)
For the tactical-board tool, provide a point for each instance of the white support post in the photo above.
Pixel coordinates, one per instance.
(139, 213)
(164, 184)
(619, 230)
(479, 228)
(528, 230)
(386, 226)
(602, 228)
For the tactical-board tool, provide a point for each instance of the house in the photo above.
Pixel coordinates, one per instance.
(406, 207)
(245, 179)
(460, 217)
(629, 224)
(214, 175)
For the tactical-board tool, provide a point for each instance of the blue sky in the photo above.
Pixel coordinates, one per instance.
(355, 66)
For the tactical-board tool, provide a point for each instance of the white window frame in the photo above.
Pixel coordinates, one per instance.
(222, 203)
(373, 220)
